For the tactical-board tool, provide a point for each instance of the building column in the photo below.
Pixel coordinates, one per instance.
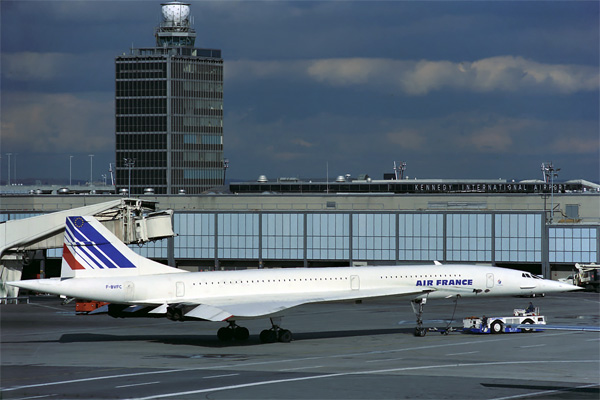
(545, 248)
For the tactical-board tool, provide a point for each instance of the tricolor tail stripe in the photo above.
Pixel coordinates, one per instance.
(68, 257)
(90, 249)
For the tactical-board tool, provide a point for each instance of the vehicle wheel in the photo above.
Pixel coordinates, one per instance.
(225, 334)
(240, 333)
(497, 327)
(285, 336)
(528, 322)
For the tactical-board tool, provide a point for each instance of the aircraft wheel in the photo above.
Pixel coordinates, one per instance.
(225, 334)
(497, 327)
(529, 322)
(268, 336)
(285, 336)
(240, 333)
(420, 332)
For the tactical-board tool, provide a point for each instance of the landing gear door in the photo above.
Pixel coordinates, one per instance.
(489, 280)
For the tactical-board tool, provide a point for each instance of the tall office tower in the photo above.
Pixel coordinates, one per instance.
(169, 112)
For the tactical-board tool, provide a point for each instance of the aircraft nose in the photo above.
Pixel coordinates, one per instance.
(557, 286)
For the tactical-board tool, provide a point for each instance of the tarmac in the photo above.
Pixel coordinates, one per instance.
(339, 351)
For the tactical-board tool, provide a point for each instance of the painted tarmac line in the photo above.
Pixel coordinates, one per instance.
(218, 376)
(460, 354)
(545, 392)
(137, 384)
(533, 345)
(482, 341)
(314, 377)
(300, 368)
(384, 360)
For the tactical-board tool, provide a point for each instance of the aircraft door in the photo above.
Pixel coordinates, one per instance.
(354, 282)
(180, 289)
(490, 280)
(129, 290)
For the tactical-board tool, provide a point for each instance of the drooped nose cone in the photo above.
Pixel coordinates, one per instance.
(556, 286)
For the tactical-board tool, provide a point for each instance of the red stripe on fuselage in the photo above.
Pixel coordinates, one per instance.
(73, 263)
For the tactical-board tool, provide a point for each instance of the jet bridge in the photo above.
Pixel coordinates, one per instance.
(131, 220)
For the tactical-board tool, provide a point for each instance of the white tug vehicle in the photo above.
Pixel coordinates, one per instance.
(518, 322)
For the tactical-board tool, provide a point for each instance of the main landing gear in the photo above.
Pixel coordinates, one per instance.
(233, 332)
(276, 334)
(240, 334)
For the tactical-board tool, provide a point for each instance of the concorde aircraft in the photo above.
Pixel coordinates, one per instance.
(96, 265)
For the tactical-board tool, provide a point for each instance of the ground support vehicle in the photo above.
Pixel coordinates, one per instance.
(516, 323)
(588, 277)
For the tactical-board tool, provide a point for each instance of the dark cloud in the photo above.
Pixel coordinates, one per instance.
(456, 89)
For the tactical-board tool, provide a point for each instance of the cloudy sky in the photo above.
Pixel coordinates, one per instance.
(455, 89)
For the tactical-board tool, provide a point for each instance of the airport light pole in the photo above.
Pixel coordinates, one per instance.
(70, 169)
(550, 172)
(91, 169)
(129, 163)
(8, 154)
(225, 166)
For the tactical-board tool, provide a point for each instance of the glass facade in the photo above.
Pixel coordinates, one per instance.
(518, 237)
(195, 236)
(421, 237)
(573, 244)
(373, 237)
(469, 237)
(169, 121)
(328, 236)
(384, 237)
(238, 236)
(283, 236)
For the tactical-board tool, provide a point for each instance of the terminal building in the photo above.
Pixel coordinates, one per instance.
(537, 226)
(169, 111)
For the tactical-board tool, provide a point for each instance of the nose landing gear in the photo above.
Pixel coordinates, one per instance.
(419, 330)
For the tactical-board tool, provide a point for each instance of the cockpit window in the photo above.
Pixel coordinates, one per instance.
(525, 275)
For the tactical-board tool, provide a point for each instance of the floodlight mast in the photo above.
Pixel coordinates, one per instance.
(399, 170)
(549, 173)
(129, 163)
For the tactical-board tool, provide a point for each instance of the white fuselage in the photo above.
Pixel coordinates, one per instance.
(438, 281)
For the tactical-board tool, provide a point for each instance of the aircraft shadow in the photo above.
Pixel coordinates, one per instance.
(212, 341)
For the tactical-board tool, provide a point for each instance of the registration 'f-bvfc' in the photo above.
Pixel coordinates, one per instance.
(98, 266)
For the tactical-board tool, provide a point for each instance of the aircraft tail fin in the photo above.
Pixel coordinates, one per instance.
(91, 250)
